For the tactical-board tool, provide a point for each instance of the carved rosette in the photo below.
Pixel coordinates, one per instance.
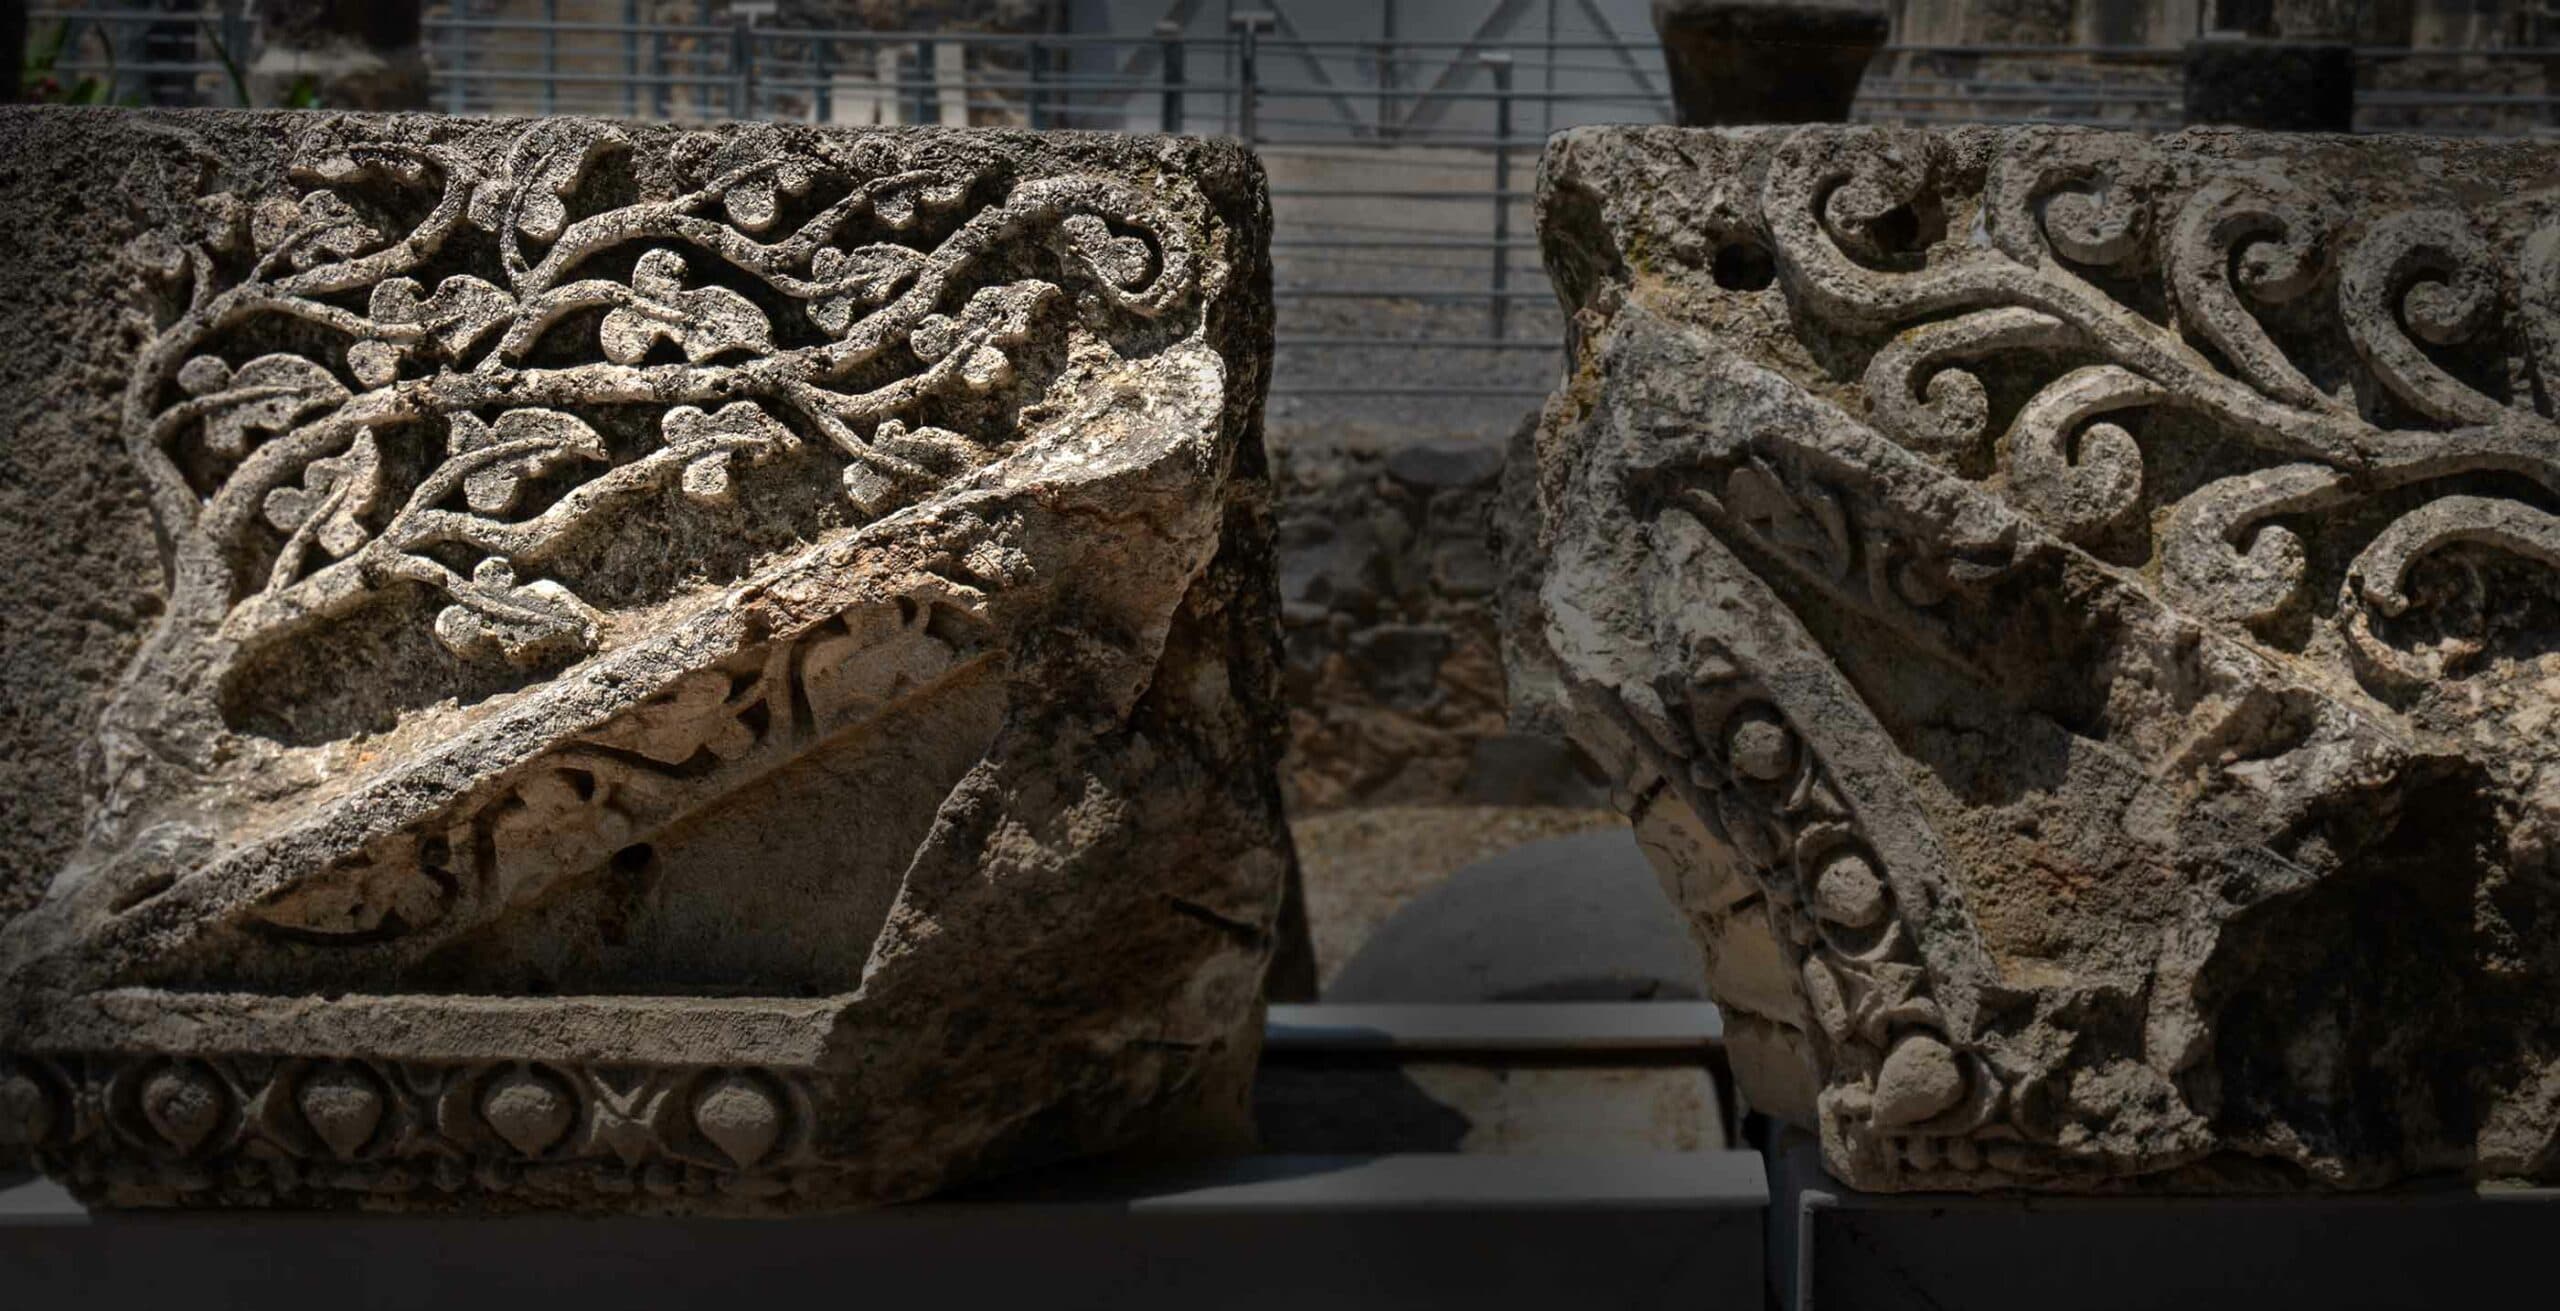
(619, 574)
(2033, 583)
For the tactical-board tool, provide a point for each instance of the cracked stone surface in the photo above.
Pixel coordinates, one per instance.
(567, 665)
(2077, 619)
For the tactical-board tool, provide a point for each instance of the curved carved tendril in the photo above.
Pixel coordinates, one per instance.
(2208, 567)
(2265, 238)
(2382, 569)
(2089, 490)
(2422, 273)
(1949, 412)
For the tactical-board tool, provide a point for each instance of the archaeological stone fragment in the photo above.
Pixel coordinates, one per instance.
(2076, 621)
(569, 665)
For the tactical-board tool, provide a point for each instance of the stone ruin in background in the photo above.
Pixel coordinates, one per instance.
(556, 664)
(2076, 619)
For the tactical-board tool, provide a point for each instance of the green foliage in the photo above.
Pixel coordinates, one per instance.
(43, 82)
(43, 86)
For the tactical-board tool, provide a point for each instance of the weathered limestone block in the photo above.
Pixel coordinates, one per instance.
(2077, 617)
(703, 670)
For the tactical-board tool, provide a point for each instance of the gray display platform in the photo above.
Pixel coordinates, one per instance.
(2454, 1247)
(1483, 1232)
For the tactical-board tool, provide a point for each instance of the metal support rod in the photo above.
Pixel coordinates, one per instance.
(1169, 34)
(456, 96)
(822, 97)
(928, 110)
(1248, 29)
(658, 74)
(1499, 65)
(1036, 58)
(1547, 109)
(1386, 68)
(631, 59)
(742, 68)
(550, 56)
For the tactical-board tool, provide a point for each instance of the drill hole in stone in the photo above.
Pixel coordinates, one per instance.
(1744, 266)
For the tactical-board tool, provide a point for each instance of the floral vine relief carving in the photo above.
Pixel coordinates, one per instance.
(2354, 355)
(457, 325)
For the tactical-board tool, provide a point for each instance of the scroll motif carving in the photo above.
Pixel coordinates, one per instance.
(2402, 288)
(2041, 631)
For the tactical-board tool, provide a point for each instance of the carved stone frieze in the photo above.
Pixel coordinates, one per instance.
(2077, 617)
(687, 669)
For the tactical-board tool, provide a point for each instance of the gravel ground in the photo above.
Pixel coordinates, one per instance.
(1360, 865)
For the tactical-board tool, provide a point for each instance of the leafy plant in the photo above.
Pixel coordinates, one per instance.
(38, 75)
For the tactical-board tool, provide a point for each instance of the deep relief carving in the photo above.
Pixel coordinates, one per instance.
(573, 807)
(2400, 288)
(275, 1130)
(2160, 539)
(655, 624)
(269, 475)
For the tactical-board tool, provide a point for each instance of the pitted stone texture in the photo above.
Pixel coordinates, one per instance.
(1394, 673)
(2078, 619)
(695, 670)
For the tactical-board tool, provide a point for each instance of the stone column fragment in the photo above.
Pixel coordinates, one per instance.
(572, 665)
(2076, 621)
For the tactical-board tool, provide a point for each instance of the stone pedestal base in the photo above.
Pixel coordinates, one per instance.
(1753, 61)
(2277, 86)
(1833, 1246)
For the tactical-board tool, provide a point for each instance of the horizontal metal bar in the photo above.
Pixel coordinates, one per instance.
(2440, 52)
(1367, 137)
(1650, 1026)
(2172, 96)
(2162, 53)
(1434, 343)
(132, 68)
(2024, 120)
(448, 23)
(2449, 100)
(124, 16)
(1284, 92)
(1355, 193)
(482, 73)
(1395, 243)
(1280, 390)
(1404, 293)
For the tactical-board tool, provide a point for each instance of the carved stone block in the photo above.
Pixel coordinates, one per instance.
(2077, 619)
(713, 670)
